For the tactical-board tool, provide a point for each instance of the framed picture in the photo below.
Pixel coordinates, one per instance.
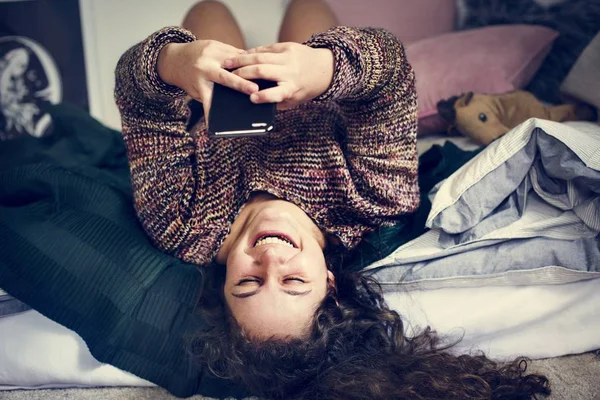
(41, 61)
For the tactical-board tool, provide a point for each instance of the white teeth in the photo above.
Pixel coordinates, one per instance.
(271, 240)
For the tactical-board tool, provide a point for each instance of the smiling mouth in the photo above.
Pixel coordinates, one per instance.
(274, 239)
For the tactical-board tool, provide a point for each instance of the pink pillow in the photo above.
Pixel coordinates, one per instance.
(493, 60)
(409, 20)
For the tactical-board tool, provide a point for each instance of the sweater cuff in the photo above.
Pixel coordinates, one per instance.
(346, 52)
(149, 80)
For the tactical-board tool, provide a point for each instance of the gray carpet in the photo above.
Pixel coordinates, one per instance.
(572, 378)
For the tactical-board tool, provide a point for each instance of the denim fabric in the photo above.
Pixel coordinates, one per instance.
(530, 261)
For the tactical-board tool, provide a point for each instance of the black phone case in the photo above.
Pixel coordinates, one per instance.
(232, 114)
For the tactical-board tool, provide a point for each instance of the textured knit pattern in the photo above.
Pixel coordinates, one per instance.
(347, 158)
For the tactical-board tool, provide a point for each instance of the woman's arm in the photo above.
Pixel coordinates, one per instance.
(366, 73)
(168, 186)
(160, 150)
(374, 86)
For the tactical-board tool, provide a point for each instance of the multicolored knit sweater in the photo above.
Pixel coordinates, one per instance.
(348, 158)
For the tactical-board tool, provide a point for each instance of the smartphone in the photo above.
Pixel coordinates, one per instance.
(232, 114)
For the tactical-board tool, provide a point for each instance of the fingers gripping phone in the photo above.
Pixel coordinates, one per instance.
(232, 114)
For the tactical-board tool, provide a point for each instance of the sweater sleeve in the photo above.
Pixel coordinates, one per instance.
(374, 86)
(161, 153)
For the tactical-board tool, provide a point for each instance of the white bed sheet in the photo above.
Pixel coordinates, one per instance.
(37, 353)
(508, 321)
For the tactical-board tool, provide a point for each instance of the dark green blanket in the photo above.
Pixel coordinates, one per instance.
(73, 250)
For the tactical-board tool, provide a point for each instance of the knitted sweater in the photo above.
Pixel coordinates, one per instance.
(348, 158)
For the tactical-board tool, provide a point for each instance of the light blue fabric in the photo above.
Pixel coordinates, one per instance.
(488, 193)
(506, 213)
(556, 174)
(524, 211)
(526, 158)
(513, 262)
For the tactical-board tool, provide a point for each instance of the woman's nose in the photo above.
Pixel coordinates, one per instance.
(271, 257)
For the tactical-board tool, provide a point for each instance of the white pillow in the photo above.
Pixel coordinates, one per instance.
(36, 352)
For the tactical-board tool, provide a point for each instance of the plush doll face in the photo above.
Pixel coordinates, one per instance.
(477, 116)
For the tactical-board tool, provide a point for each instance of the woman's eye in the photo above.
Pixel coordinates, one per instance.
(295, 279)
(247, 280)
(482, 117)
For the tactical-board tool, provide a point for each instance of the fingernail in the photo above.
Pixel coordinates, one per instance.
(252, 89)
(254, 98)
(244, 52)
(228, 63)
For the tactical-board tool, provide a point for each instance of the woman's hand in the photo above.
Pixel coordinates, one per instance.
(195, 66)
(301, 72)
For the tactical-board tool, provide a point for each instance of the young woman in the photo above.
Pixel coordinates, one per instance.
(341, 160)
(265, 211)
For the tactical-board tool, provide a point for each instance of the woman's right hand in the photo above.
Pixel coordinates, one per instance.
(195, 66)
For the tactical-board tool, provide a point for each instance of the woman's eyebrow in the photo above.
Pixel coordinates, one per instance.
(252, 293)
(245, 295)
(294, 293)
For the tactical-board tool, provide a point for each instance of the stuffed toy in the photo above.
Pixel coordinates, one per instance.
(485, 118)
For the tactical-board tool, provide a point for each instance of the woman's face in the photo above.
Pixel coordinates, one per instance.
(276, 271)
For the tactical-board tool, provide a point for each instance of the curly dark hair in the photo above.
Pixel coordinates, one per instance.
(357, 349)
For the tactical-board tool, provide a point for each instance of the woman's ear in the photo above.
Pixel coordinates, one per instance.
(330, 279)
(332, 289)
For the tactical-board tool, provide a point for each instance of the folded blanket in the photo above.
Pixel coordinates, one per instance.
(74, 250)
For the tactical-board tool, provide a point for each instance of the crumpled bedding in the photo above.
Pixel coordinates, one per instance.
(520, 224)
(525, 211)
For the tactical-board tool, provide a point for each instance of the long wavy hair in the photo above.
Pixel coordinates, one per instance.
(357, 349)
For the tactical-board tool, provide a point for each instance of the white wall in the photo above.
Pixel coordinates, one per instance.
(110, 27)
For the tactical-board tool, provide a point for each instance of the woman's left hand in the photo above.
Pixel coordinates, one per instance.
(301, 72)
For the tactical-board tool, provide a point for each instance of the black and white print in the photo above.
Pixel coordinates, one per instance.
(41, 62)
(28, 78)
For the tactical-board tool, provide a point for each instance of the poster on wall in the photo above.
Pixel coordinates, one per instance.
(41, 62)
